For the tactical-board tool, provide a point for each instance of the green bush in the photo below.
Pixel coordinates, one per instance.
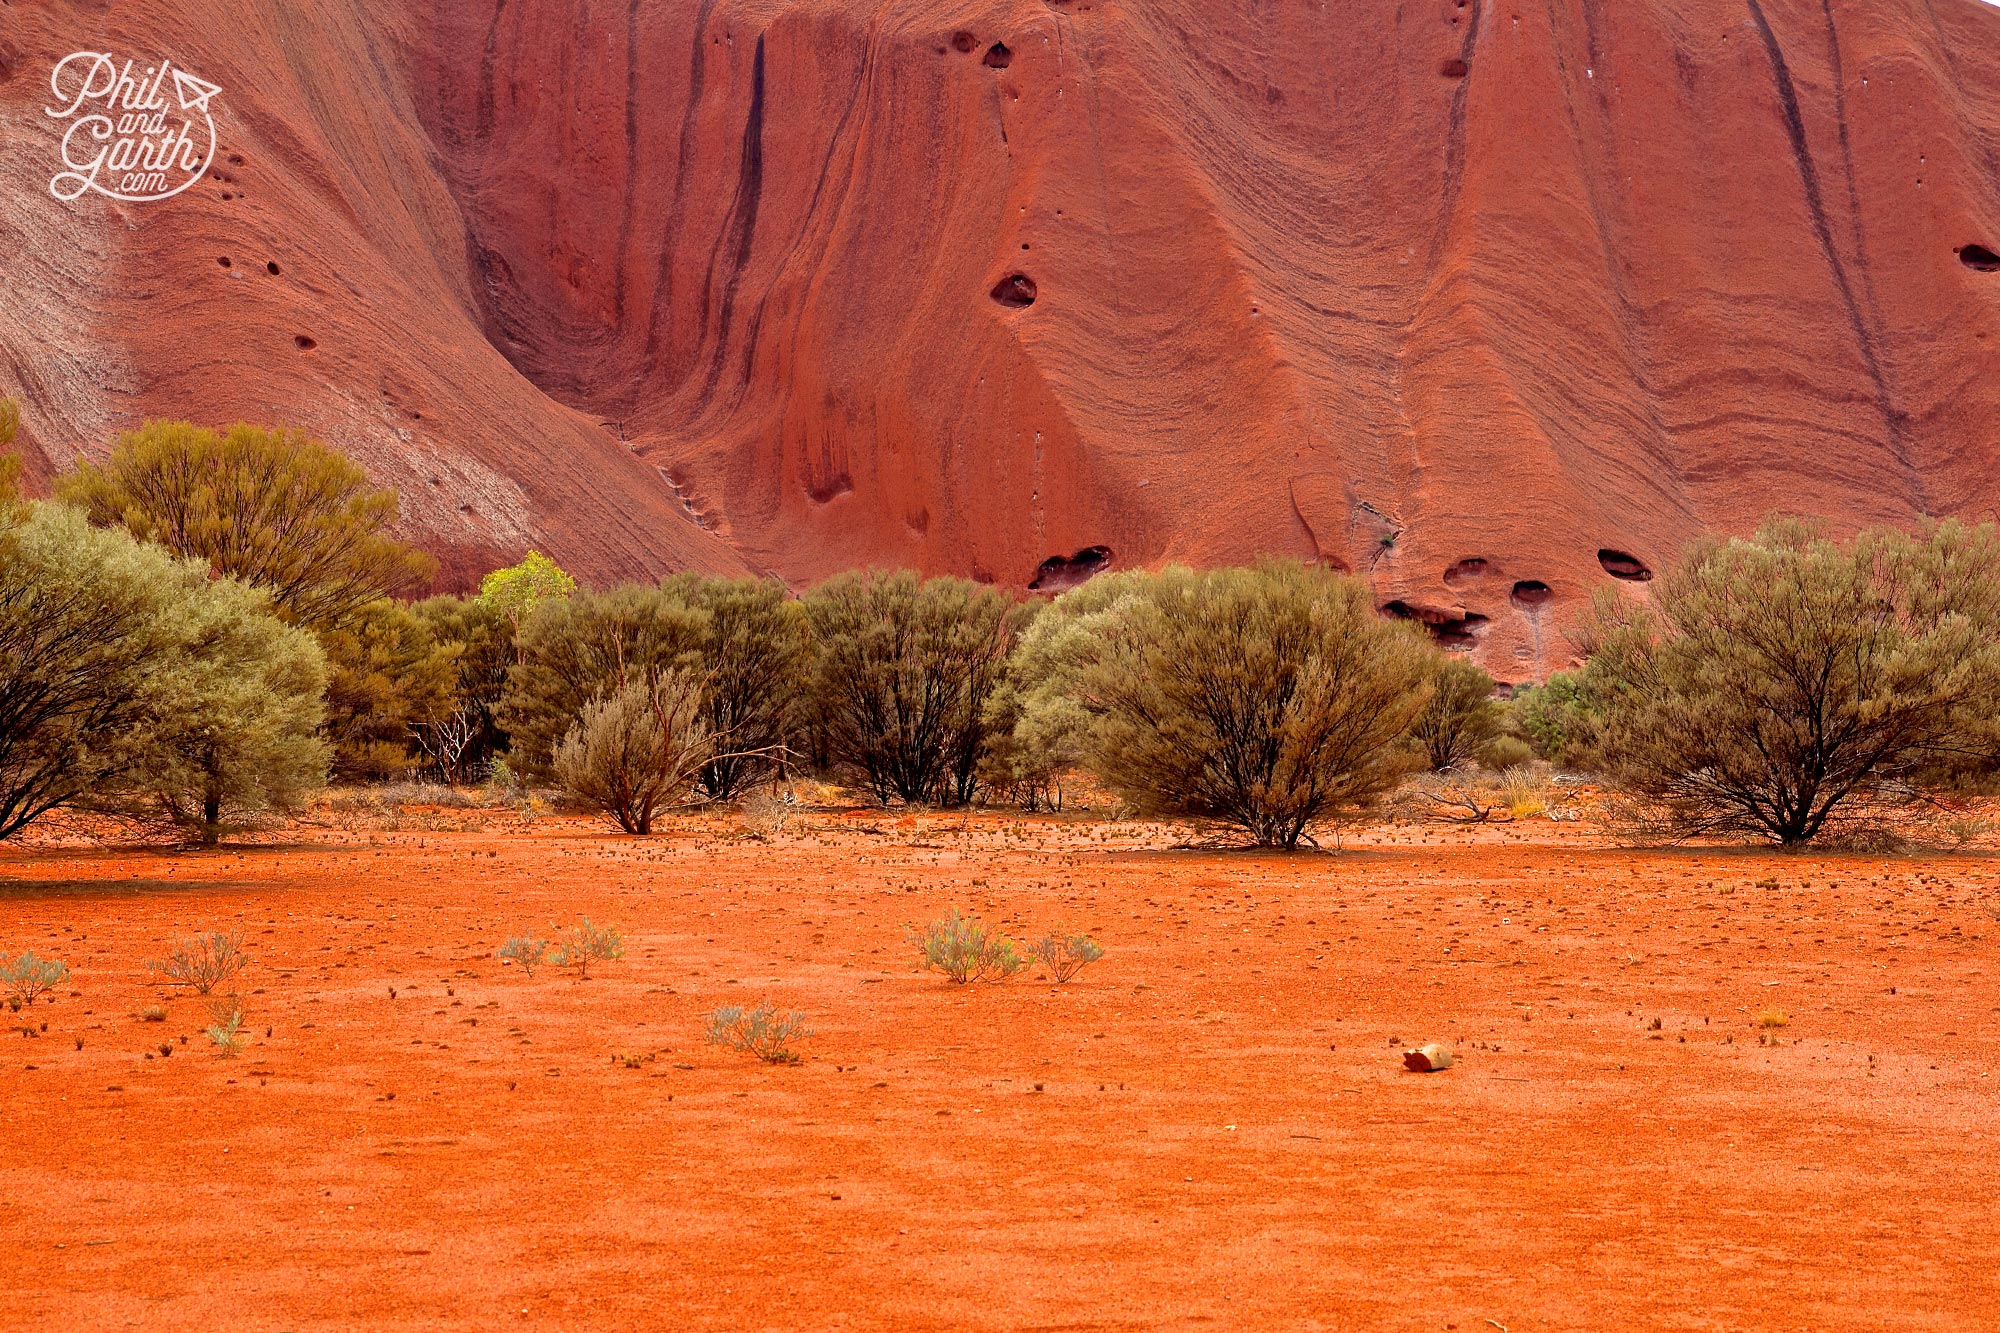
(580, 945)
(1065, 952)
(1768, 683)
(274, 508)
(27, 976)
(526, 950)
(639, 750)
(1265, 698)
(1462, 716)
(462, 741)
(966, 950)
(903, 672)
(763, 1032)
(390, 682)
(133, 681)
(202, 962)
(512, 594)
(1557, 719)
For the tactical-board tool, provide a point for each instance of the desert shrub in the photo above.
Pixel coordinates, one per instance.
(225, 1026)
(639, 750)
(153, 1013)
(81, 624)
(763, 1032)
(512, 594)
(580, 945)
(1065, 952)
(1557, 719)
(458, 743)
(389, 679)
(202, 962)
(234, 718)
(135, 681)
(1267, 698)
(10, 465)
(274, 508)
(27, 976)
(1504, 753)
(753, 650)
(1769, 682)
(903, 670)
(525, 950)
(1461, 718)
(577, 649)
(966, 949)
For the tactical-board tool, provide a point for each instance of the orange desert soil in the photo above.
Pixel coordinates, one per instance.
(1211, 1128)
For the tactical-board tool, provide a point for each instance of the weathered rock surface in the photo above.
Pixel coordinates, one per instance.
(1494, 302)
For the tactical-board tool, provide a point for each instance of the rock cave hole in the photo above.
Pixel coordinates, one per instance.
(1531, 594)
(998, 56)
(222, 260)
(271, 267)
(1454, 68)
(1620, 565)
(963, 42)
(1015, 291)
(1979, 259)
(305, 344)
(1469, 568)
(1060, 573)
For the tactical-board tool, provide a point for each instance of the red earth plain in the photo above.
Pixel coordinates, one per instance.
(1704, 1088)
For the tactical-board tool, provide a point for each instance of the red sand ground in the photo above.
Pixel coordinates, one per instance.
(1211, 1128)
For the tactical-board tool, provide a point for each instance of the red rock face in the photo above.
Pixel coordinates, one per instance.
(1492, 303)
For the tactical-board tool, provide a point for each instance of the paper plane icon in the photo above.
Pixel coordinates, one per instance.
(194, 93)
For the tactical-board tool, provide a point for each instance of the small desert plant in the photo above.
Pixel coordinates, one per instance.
(203, 961)
(526, 950)
(580, 944)
(966, 949)
(225, 1026)
(763, 1031)
(153, 1013)
(1964, 830)
(1773, 1018)
(1526, 797)
(27, 977)
(1065, 952)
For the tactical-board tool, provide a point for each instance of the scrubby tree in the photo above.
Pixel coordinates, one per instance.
(1037, 722)
(574, 650)
(752, 651)
(80, 627)
(1266, 698)
(903, 670)
(390, 679)
(133, 680)
(1767, 684)
(1462, 717)
(235, 716)
(639, 749)
(514, 592)
(10, 465)
(1557, 720)
(274, 508)
(463, 742)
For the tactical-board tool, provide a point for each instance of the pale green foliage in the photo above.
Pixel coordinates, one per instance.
(525, 950)
(10, 465)
(132, 680)
(639, 750)
(904, 670)
(202, 962)
(966, 949)
(235, 718)
(580, 945)
(1768, 682)
(225, 1027)
(763, 1032)
(753, 651)
(26, 977)
(1462, 715)
(1065, 952)
(462, 740)
(274, 508)
(1267, 698)
(516, 591)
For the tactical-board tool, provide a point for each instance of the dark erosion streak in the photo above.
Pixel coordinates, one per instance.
(740, 233)
(1816, 204)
